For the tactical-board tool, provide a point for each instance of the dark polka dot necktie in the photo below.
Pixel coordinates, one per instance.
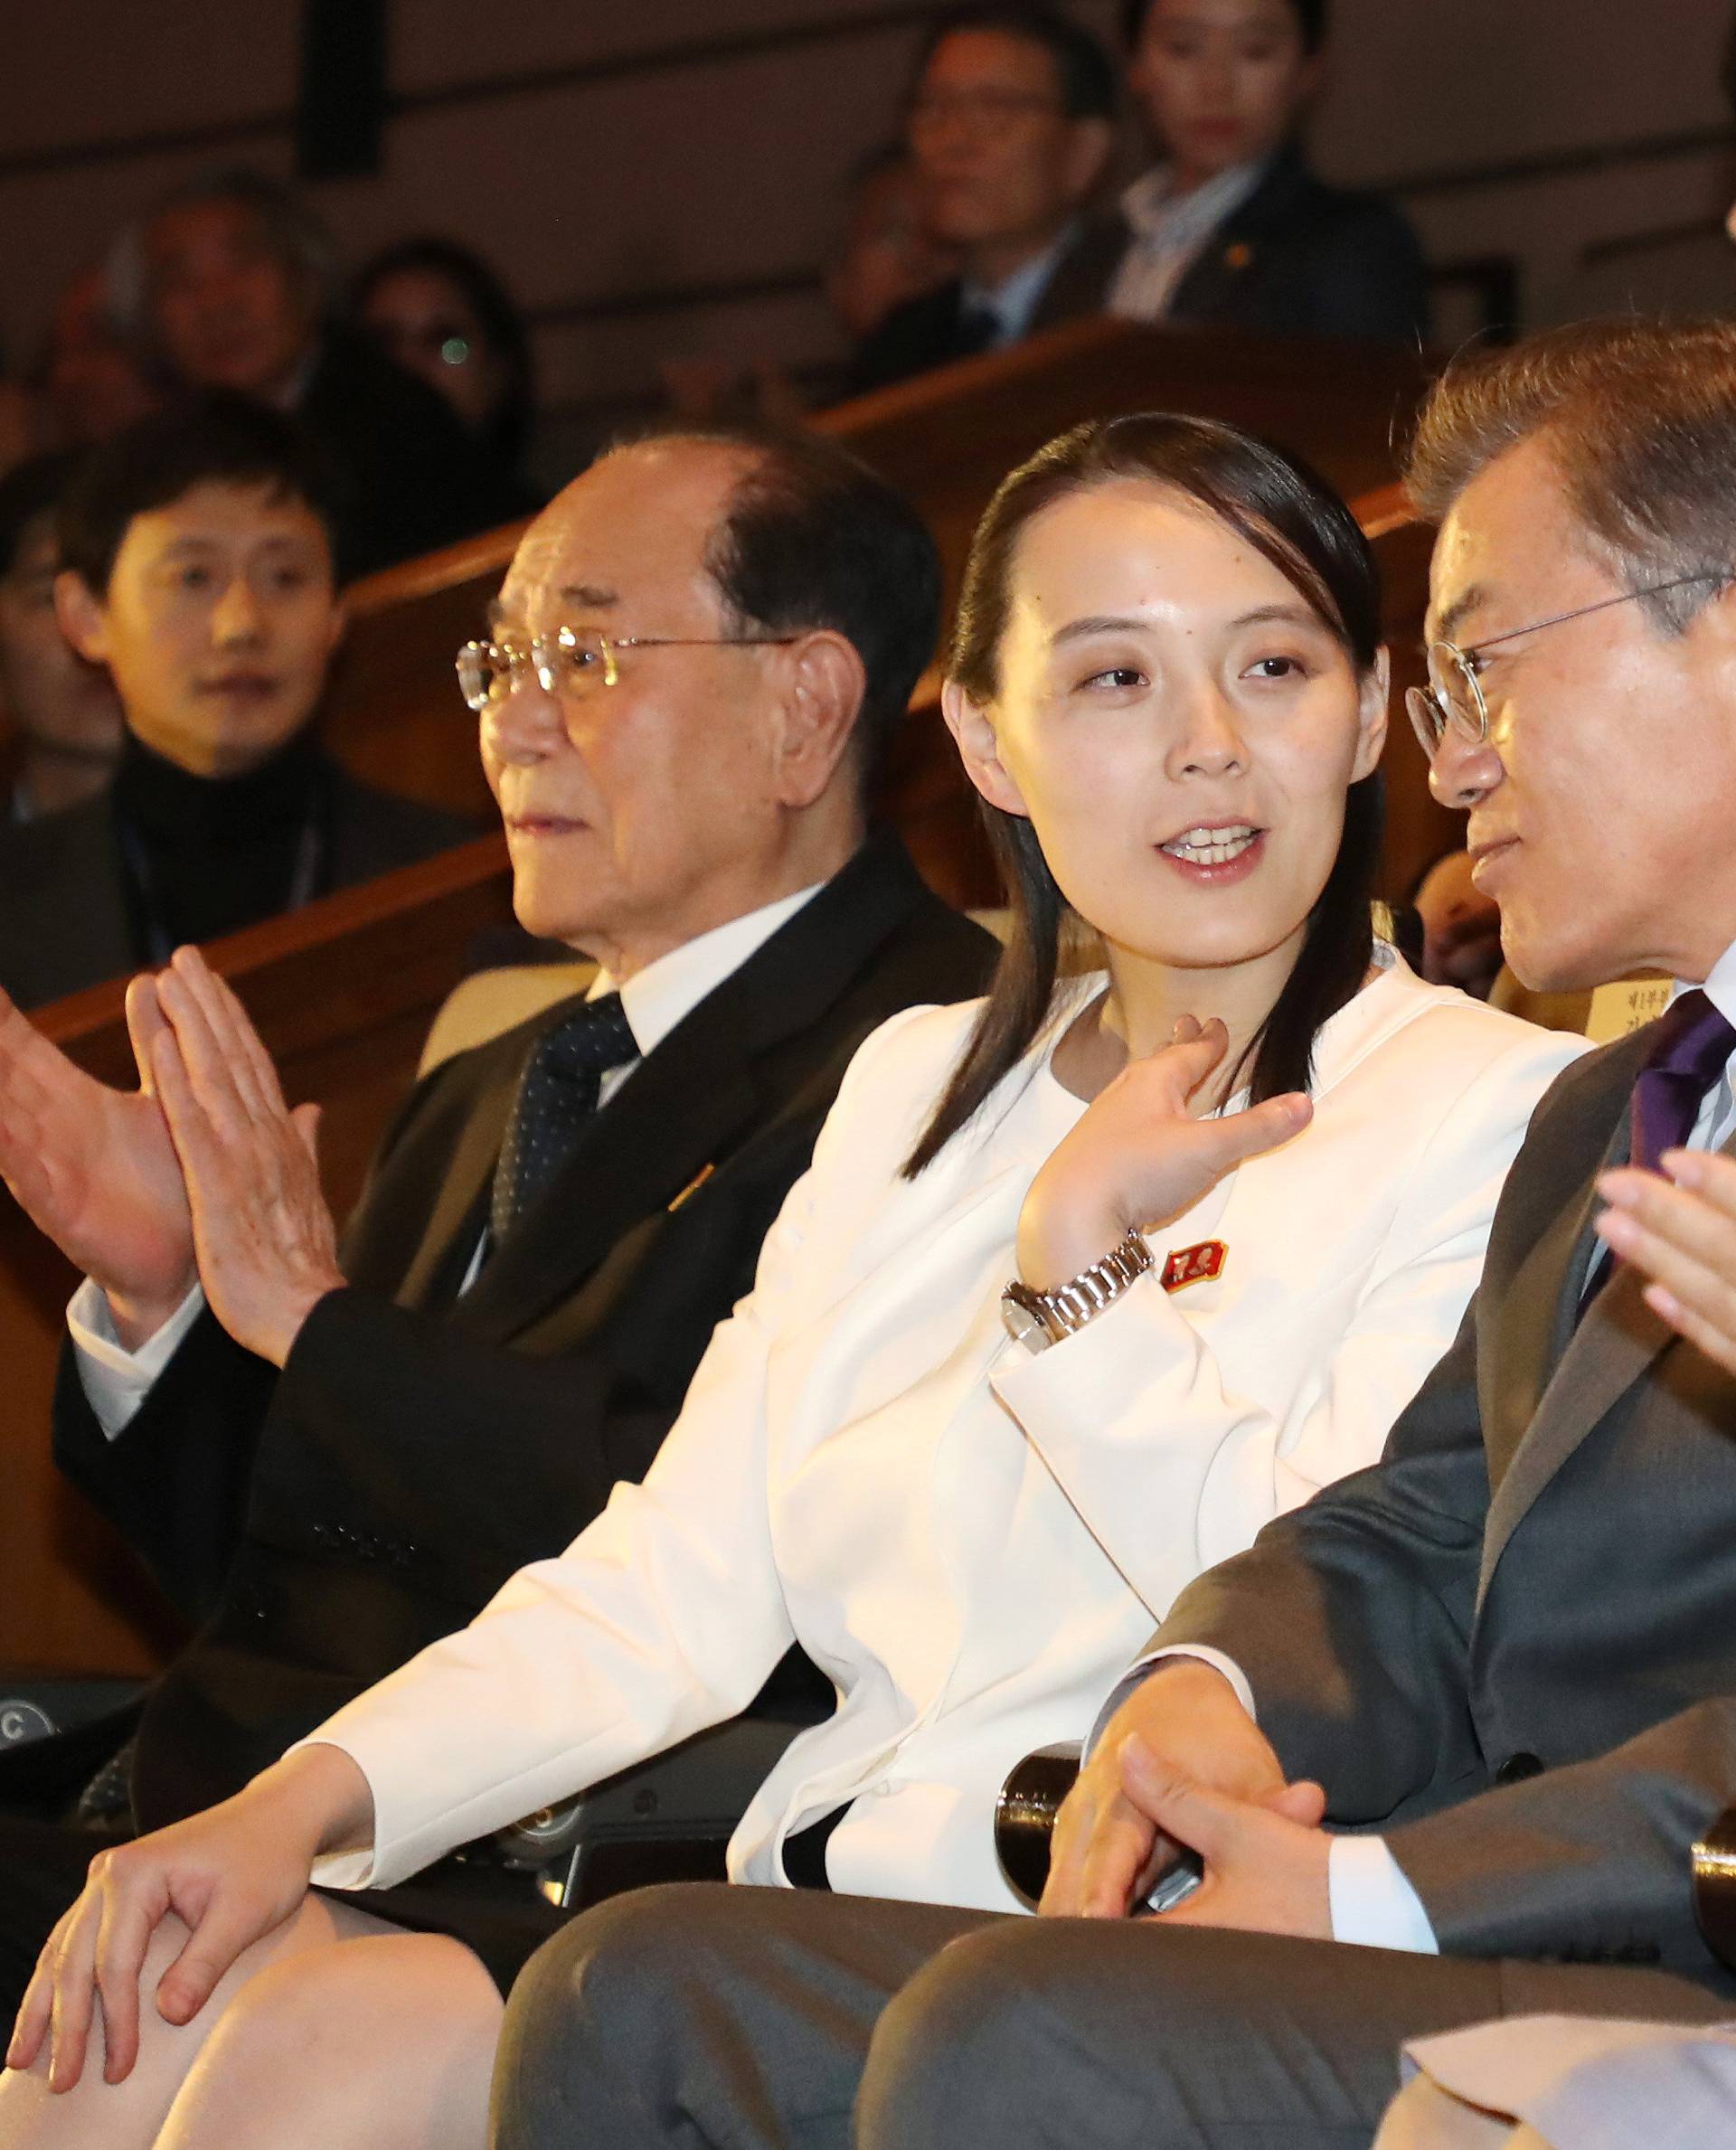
(557, 1094)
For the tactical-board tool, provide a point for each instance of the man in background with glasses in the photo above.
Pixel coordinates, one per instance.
(330, 1454)
(1507, 1653)
(1011, 124)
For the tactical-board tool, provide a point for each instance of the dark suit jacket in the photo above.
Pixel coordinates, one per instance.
(324, 1523)
(1298, 258)
(1512, 1644)
(65, 922)
(414, 476)
(927, 331)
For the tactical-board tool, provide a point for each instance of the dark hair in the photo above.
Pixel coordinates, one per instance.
(28, 492)
(811, 537)
(219, 439)
(1279, 507)
(1083, 68)
(1310, 16)
(488, 298)
(1640, 419)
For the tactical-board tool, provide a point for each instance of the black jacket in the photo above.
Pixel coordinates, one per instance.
(322, 1524)
(1296, 258)
(412, 476)
(1299, 258)
(66, 917)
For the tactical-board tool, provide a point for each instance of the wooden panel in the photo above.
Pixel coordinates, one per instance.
(343, 992)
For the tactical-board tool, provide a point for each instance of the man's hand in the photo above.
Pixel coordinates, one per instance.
(231, 1875)
(1266, 1861)
(1137, 1158)
(94, 1168)
(1680, 1229)
(1109, 1848)
(266, 1244)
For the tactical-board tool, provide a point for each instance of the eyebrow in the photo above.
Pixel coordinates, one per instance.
(1446, 627)
(1106, 623)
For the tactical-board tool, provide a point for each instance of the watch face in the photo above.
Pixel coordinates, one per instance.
(1021, 1325)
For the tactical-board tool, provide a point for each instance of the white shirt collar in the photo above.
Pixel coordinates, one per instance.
(661, 994)
(1014, 302)
(1720, 984)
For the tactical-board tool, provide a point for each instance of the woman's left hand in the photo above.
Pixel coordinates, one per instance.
(1137, 1158)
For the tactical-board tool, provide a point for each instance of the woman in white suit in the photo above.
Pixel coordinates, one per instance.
(1086, 1282)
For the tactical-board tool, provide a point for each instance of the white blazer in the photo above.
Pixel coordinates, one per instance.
(972, 1540)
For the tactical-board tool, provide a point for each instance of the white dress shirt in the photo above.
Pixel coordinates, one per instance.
(1372, 1901)
(1014, 302)
(1170, 232)
(116, 1380)
(967, 1538)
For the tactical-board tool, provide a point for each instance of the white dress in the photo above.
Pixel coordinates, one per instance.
(971, 1540)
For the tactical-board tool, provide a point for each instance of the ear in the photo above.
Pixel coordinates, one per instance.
(340, 627)
(978, 749)
(83, 615)
(1370, 716)
(824, 683)
(1091, 144)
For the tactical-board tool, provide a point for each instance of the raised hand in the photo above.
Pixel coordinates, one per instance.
(231, 1875)
(1680, 1229)
(1136, 1158)
(1184, 1722)
(262, 1232)
(95, 1169)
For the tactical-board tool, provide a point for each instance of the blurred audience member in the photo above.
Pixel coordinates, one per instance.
(196, 564)
(1233, 227)
(227, 284)
(59, 707)
(887, 256)
(1461, 927)
(92, 383)
(441, 312)
(1011, 126)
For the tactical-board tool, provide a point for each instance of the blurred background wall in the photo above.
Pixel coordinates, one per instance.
(660, 179)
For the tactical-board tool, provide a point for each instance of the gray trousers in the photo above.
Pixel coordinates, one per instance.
(774, 2019)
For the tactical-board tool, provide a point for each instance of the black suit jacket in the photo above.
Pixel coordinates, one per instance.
(928, 330)
(322, 1524)
(65, 922)
(1298, 258)
(1512, 1644)
(413, 477)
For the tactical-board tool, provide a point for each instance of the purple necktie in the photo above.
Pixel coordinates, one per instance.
(1690, 1046)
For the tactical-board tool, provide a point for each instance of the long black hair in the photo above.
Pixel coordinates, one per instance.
(1281, 508)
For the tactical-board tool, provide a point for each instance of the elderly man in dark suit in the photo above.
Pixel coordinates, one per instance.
(330, 1455)
(196, 566)
(1500, 1667)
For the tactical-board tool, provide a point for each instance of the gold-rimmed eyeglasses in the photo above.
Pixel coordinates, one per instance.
(1454, 695)
(573, 661)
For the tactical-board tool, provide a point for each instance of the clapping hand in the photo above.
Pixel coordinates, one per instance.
(1680, 1229)
(262, 1231)
(94, 1168)
(1139, 1158)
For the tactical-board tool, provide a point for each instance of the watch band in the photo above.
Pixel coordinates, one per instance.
(1040, 1318)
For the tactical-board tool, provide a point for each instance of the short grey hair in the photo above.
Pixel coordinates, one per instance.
(298, 238)
(1639, 417)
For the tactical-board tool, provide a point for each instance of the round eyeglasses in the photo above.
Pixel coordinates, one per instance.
(573, 661)
(1453, 700)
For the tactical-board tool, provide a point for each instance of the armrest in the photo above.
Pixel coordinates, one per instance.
(1024, 1815)
(1714, 1887)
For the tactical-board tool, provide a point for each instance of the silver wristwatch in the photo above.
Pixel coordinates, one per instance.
(1037, 1319)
